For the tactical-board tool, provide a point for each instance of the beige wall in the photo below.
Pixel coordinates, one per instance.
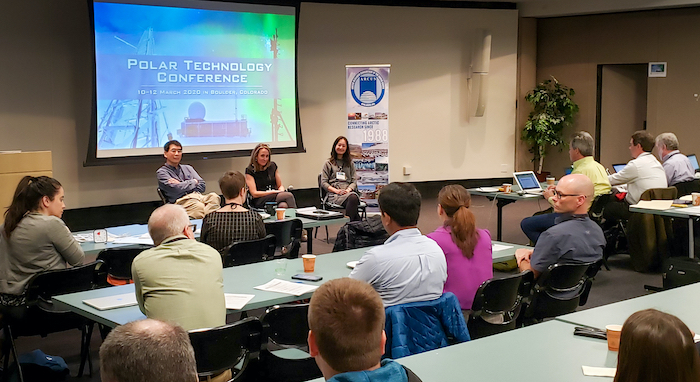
(46, 97)
(570, 48)
(527, 80)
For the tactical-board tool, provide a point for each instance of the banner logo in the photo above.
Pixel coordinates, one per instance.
(369, 85)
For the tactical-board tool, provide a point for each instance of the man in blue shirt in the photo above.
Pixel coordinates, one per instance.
(346, 336)
(180, 184)
(408, 267)
(676, 165)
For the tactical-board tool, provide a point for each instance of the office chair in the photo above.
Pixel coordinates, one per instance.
(326, 205)
(116, 264)
(250, 251)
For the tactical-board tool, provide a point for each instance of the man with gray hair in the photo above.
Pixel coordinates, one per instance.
(181, 279)
(147, 350)
(581, 150)
(676, 165)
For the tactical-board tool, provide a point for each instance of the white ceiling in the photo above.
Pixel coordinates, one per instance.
(553, 8)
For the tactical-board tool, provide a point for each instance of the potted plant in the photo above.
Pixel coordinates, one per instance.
(552, 111)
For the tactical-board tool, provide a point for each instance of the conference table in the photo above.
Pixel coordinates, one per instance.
(503, 199)
(241, 280)
(690, 213)
(134, 231)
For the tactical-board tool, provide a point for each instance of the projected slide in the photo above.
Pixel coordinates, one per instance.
(216, 76)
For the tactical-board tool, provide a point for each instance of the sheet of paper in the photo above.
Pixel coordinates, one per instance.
(89, 237)
(237, 301)
(306, 209)
(599, 371)
(488, 189)
(499, 247)
(282, 286)
(654, 204)
(686, 197)
(692, 210)
(134, 240)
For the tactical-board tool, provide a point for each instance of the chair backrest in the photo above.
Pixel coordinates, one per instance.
(219, 349)
(321, 192)
(161, 195)
(421, 326)
(44, 285)
(687, 188)
(595, 212)
(497, 304)
(288, 234)
(250, 251)
(287, 325)
(117, 261)
(561, 289)
(648, 235)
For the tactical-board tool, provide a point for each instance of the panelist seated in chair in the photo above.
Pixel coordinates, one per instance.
(575, 238)
(408, 267)
(339, 180)
(346, 336)
(181, 184)
(581, 150)
(264, 181)
(181, 279)
(232, 222)
(677, 166)
(147, 350)
(33, 237)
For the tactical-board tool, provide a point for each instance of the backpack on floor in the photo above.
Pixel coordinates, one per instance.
(680, 271)
(39, 367)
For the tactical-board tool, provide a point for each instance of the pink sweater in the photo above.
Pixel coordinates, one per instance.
(465, 275)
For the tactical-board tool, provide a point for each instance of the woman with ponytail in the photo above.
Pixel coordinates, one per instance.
(467, 249)
(33, 237)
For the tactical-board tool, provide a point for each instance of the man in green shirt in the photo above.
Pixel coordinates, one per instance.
(581, 149)
(180, 280)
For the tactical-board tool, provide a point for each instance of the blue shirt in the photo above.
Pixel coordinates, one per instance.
(678, 168)
(190, 181)
(573, 239)
(390, 371)
(408, 267)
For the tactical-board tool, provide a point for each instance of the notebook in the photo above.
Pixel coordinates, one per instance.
(527, 180)
(112, 302)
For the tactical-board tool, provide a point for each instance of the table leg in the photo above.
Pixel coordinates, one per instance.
(691, 239)
(500, 203)
(309, 240)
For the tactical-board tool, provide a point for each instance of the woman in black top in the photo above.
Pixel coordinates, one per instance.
(264, 182)
(339, 180)
(232, 222)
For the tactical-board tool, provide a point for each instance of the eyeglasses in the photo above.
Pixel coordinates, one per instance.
(193, 227)
(560, 195)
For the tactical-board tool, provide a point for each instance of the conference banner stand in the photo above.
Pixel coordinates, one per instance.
(367, 100)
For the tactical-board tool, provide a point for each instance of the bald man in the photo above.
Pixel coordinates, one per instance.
(575, 238)
(147, 350)
(181, 279)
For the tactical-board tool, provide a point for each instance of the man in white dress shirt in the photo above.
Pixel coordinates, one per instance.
(640, 174)
(408, 267)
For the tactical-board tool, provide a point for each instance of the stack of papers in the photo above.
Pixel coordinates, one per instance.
(141, 239)
(599, 371)
(654, 204)
(89, 237)
(287, 287)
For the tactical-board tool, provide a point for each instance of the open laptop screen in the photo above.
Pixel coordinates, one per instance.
(619, 167)
(527, 180)
(694, 161)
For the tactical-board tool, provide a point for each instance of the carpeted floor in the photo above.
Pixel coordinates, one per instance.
(620, 283)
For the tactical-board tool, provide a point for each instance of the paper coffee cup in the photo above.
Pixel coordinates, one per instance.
(613, 333)
(551, 180)
(696, 198)
(507, 188)
(309, 262)
(280, 213)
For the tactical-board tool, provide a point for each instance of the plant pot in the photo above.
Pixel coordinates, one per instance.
(542, 176)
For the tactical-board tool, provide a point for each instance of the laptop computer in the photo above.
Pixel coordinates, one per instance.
(618, 167)
(527, 181)
(694, 162)
(112, 302)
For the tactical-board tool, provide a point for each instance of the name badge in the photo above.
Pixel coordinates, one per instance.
(340, 175)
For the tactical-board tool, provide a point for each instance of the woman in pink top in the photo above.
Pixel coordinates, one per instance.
(467, 249)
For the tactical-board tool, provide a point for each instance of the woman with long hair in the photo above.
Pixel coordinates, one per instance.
(264, 181)
(232, 222)
(467, 249)
(33, 237)
(338, 178)
(656, 346)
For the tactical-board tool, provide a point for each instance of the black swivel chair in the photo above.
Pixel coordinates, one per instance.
(116, 264)
(560, 290)
(41, 317)
(497, 304)
(288, 234)
(161, 195)
(250, 251)
(286, 327)
(219, 349)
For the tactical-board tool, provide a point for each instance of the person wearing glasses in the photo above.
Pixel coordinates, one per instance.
(575, 238)
(180, 280)
(232, 222)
